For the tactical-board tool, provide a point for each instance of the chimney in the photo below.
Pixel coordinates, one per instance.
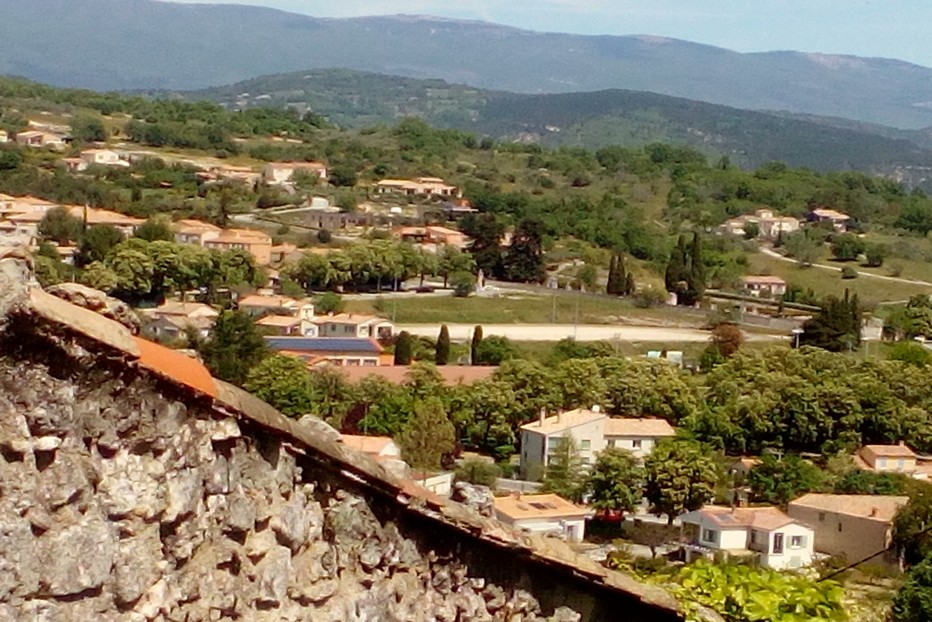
(902, 443)
(559, 412)
(873, 512)
(542, 415)
(596, 408)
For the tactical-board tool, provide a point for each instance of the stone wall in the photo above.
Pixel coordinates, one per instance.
(127, 496)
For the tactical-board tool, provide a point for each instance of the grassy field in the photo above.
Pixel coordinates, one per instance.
(824, 282)
(522, 309)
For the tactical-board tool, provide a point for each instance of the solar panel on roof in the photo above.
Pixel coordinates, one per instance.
(322, 344)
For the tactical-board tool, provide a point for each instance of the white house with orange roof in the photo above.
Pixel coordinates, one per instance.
(258, 305)
(544, 514)
(893, 459)
(171, 319)
(354, 325)
(282, 173)
(103, 157)
(28, 222)
(768, 534)
(766, 286)
(256, 243)
(41, 138)
(419, 186)
(853, 526)
(189, 231)
(592, 431)
(638, 436)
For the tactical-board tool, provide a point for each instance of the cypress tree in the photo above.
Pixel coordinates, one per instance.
(612, 268)
(696, 278)
(474, 345)
(677, 270)
(622, 276)
(403, 348)
(442, 352)
(629, 284)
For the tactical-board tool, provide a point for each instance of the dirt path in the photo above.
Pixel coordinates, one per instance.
(771, 253)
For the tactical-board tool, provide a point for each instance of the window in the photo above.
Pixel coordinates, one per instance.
(821, 517)
(611, 443)
(636, 443)
(881, 463)
(778, 544)
(553, 442)
(708, 535)
(585, 445)
(839, 525)
(901, 464)
(797, 542)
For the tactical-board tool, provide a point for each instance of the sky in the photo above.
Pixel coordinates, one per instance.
(887, 28)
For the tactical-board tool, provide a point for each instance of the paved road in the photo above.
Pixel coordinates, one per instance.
(895, 279)
(583, 332)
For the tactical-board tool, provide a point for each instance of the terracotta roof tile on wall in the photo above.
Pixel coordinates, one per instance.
(176, 366)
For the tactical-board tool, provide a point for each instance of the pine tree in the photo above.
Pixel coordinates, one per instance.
(428, 436)
(474, 345)
(565, 475)
(442, 352)
(403, 347)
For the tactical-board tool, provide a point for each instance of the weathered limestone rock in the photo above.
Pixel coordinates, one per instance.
(98, 302)
(77, 558)
(127, 494)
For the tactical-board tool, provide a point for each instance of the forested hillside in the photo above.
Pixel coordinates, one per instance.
(589, 120)
(146, 44)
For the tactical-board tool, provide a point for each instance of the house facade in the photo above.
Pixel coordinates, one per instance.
(638, 436)
(420, 186)
(769, 224)
(256, 243)
(889, 459)
(838, 220)
(257, 305)
(764, 286)
(354, 325)
(774, 538)
(281, 173)
(544, 514)
(592, 431)
(851, 526)
(102, 157)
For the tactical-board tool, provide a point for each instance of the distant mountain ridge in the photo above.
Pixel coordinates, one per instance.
(132, 44)
(591, 120)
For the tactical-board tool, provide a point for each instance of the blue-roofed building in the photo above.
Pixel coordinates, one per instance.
(350, 351)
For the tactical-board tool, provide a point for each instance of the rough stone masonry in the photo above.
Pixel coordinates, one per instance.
(135, 487)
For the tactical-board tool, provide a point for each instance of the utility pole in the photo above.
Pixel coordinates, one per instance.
(576, 317)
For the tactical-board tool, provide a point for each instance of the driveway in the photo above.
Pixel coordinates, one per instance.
(896, 279)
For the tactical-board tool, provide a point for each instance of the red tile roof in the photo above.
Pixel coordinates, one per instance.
(175, 366)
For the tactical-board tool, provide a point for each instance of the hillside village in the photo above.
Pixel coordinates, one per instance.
(777, 416)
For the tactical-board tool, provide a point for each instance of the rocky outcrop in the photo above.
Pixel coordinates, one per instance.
(135, 487)
(99, 302)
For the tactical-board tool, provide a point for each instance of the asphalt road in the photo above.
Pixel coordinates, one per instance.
(582, 332)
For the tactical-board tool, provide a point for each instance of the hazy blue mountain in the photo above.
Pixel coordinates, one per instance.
(123, 44)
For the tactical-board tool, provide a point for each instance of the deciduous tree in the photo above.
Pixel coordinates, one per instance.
(615, 482)
(680, 477)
